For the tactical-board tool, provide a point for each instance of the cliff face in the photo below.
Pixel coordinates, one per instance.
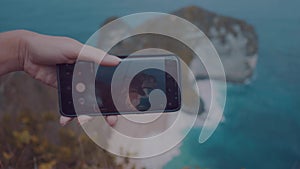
(234, 40)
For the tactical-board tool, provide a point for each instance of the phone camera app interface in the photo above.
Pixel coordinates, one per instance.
(141, 85)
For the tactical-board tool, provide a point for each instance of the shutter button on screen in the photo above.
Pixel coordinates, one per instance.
(81, 101)
(80, 87)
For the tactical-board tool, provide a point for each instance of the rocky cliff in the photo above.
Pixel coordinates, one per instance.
(235, 41)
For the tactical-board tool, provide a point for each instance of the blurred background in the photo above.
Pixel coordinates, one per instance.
(261, 118)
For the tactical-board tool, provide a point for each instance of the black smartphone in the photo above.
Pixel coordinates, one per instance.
(123, 89)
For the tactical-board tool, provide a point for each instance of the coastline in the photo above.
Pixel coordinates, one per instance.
(159, 125)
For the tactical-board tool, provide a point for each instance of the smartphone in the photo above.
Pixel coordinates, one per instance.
(123, 89)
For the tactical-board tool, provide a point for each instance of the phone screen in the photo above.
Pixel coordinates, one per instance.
(124, 89)
(139, 89)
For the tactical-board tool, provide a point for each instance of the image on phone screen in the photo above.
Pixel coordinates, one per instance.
(136, 99)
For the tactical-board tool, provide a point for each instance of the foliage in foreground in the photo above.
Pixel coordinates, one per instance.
(36, 141)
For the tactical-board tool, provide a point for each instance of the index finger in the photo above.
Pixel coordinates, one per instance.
(89, 53)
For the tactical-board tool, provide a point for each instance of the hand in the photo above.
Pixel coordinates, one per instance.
(38, 55)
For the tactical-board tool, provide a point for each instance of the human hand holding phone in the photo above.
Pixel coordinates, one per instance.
(38, 54)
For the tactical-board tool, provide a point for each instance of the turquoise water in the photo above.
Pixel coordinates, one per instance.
(262, 127)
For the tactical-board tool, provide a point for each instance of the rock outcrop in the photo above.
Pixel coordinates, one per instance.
(235, 41)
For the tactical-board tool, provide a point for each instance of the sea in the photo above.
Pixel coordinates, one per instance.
(261, 129)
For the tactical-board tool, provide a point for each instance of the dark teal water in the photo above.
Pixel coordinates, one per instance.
(262, 127)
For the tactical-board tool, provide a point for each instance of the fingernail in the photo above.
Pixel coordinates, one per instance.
(111, 120)
(64, 120)
(115, 58)
(84, 119)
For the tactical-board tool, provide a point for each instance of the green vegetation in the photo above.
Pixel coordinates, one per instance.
(31, 140)
(36, 141)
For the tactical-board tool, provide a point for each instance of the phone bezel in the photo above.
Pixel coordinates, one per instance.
(67, 96)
